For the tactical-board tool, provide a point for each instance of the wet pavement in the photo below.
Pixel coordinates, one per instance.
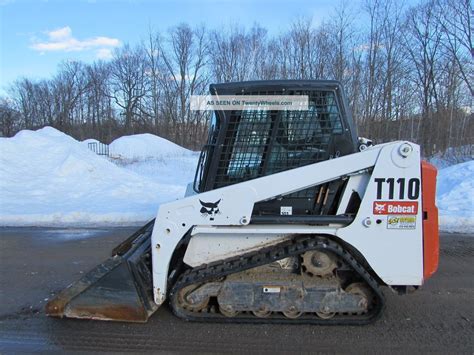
(38, 262)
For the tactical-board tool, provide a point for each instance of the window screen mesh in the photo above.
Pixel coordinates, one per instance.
(260, 143)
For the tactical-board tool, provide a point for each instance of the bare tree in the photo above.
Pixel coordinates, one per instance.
(423, 42)
(229, 55)
(68, 86)
(154, 69)
(456, 19)
(184, 58)
(302, 46)
(98, 102)
(9, 117)
(408, 73)
(128, 81)
(23, 93)
(342, 32)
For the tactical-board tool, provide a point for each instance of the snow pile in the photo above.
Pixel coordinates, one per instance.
(455, 198)
(452, 156)
(155, 158)
(145, 146)
(175, 171)
(49, 178)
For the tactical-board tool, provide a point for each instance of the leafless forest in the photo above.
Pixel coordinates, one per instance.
(408, 73)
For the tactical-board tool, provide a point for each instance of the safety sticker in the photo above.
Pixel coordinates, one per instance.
(395, 207)
(401, 222)
(286, 210)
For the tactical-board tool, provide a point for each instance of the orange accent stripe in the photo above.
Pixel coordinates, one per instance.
(430, 220)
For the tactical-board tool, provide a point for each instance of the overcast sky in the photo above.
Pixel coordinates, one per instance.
(36, 35)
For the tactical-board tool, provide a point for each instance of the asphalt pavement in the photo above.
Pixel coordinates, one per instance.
(38, 262)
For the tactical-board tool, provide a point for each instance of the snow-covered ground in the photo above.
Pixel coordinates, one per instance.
(48, 178)
(452, 156)
(455, 197)
(155, 157)
(146, 146)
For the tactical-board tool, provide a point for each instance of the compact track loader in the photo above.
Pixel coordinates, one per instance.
(291, 218)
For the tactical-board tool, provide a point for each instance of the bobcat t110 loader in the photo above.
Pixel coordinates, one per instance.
(292, 219)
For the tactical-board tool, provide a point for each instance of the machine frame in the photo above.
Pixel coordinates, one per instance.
(394, 255)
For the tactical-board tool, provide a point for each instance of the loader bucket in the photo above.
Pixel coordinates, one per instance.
(120, 289)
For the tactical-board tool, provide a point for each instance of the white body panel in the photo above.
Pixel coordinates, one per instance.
(394, 254)
(204, 248)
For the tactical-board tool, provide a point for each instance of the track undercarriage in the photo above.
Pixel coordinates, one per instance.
(304, 280)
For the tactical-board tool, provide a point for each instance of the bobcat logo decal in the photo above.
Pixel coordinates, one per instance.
(210, 209)
(379, 207)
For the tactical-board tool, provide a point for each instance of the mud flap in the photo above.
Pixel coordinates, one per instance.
(120, 289)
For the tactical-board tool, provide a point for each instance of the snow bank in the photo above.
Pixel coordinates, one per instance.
(145, 146)
(455, 198)
(155, 158)
(49, 178)
(452, 156)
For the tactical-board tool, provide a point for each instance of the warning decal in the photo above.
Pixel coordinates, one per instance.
(395, 207)
(286, 210)
(401, 222)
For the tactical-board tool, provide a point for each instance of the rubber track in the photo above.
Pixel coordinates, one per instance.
(293, 247)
